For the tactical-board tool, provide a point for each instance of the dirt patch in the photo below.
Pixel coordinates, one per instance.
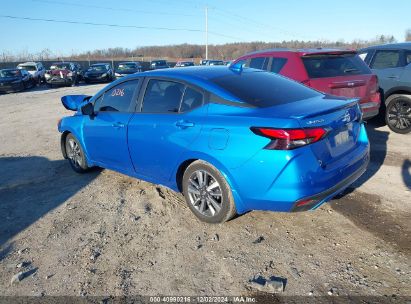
(365, 211)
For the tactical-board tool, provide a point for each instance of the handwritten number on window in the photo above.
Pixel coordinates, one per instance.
(117, 92)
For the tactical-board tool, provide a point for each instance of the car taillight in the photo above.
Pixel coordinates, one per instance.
(288, 139)
(374, 89)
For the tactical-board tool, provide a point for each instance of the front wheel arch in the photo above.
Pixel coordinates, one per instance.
(63, 143)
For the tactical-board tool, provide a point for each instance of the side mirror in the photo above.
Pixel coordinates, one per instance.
(88, 109)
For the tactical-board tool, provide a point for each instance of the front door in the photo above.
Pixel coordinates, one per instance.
(169, 122)
(105, 134)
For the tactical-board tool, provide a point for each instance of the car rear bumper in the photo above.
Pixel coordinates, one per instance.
(315, 201)
(280, 180)
(369, 109)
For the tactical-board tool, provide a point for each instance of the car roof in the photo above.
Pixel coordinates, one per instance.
(401, 45)
(9, 69)
(28, 63)
(200, 76)
(97, 64)
(305, 52)
(127, 62)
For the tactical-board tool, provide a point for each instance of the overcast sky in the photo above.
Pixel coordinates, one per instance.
(183, 21)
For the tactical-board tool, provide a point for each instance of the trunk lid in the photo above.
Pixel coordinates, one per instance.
(341, 118)
(345, 86)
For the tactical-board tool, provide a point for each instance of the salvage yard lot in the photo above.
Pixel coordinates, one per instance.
(105, 233)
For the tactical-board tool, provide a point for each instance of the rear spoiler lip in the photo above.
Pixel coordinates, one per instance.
(350, 102)
(72, 102)
(319, 53)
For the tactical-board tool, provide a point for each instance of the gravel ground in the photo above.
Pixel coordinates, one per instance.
(104, 233)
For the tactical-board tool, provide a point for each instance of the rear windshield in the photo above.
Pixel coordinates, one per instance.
(320, 66)
(263, 89)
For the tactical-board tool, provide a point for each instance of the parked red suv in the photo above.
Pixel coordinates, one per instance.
(332, 71)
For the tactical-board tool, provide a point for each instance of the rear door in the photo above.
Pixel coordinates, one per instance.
(105, 134)
(168, 122)
(338, 74)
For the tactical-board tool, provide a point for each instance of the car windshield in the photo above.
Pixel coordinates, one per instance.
(263, 89)
(99, 68)
(27, 67)
(127, 66)
(321, 66)
(9, 73)
(60, 66)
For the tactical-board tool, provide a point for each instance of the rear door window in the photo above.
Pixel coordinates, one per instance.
(321, 66)
(118, 98)
(192, 99)
(385, 60)
(259, 63)
(162, 96)
(277, 64)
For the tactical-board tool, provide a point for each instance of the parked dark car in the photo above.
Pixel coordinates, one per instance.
(63, 74)
(12, 80)
(214, 62)
(181, 64)
(392, 64)
(127, 68)
(80, 71)
(99, 72)
(158, 64)
(332, 71)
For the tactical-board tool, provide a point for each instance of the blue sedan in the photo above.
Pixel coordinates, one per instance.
(231, 140)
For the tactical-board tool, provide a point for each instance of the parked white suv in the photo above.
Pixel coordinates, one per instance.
(36, 69)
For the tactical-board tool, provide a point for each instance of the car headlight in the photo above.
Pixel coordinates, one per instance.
(70, 74)
(104, 75)
(118, 74)
(47, 76)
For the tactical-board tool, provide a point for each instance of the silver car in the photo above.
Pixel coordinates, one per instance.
(392, 64)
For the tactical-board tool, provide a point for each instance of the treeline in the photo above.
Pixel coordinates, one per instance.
(195, 51)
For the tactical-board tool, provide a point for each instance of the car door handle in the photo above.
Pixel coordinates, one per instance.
(118, 125)
(393, 77)
(183, 124)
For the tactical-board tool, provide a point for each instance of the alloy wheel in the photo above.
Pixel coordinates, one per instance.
(205, 193)
(74, 153)
(399, 115)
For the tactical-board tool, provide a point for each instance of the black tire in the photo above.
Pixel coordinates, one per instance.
(222, 196)
(75, 154)
(398, 113)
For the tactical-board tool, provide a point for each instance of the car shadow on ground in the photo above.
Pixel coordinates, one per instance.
(31, 187)
(367, 210)
(378, 152)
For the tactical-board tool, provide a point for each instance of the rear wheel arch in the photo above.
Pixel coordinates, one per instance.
(180, 172)
(390, 95)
